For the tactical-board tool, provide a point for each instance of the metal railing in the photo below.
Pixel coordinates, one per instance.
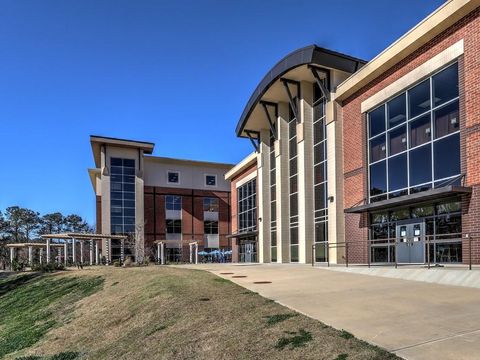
(427, 240)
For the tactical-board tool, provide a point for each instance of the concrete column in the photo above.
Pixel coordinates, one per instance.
(30, 255)
(196, 253)
(97, 260)
(41, 256)
(91, 252)
(12, 257)
(65, 246)
(263, 196)
(191, 255)
(158, 253)
(48, 250)
(74, 252)
(162, 253)
(282, 185)
(122, 250)
(305, 174)
(81, 251)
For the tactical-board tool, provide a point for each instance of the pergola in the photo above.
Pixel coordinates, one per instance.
(68, 238)
(161, 245)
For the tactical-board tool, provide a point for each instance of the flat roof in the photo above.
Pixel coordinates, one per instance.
(242, 165)
(435, 23)
(433, 194)
(309, 55)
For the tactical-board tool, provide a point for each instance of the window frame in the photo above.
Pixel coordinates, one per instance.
(206, 182)
(173, 172)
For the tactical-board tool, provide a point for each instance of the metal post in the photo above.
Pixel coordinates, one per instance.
(428, 251)
(396, 264)
(48, 251)
(346, 253)
(12, 256)
(328, 254)
(469, 253)
(91, 252)
(369, 252)
(30, 255)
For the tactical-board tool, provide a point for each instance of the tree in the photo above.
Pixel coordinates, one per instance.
(53, 223)
(75, 223)
(30, 222)
(13, 218)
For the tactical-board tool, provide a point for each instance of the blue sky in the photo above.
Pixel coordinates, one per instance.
(176, 73)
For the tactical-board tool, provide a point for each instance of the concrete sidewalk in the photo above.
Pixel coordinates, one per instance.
(415, 320)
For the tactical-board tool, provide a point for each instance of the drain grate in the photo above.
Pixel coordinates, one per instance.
(239, 276)
(226, 273)
(262, 282)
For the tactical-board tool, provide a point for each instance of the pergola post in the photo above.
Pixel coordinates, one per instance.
(74, 252)
(48, 251)
(122, 250)
(59, 256)
(91, 252)
(12, 257)
(30, 255)
(41, 256)
(81, 252)
(191, 255)
(158, 253)
(96, 253)
(162, 253)
(196, 253)
(66, 252)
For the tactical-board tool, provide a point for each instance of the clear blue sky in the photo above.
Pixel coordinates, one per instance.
(176, 73)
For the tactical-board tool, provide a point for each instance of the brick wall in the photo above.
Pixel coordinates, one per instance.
(354, 123)
(192, 215)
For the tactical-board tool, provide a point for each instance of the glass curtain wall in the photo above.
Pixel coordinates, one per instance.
(273, 201)
(320, 175)
(293, 184)
(247, 206)
(414, 139)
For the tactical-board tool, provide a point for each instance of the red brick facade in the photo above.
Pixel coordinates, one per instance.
(354, 123)
(192, 215)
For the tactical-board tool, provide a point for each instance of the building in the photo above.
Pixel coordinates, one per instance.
(367, 161)
(156, 198)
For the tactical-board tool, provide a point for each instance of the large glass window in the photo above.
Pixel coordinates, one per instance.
(417, 133)
(320, 175)
(174, 226)
(293, 180)
(247, 206)
(173, 202)
(210, 227)
(122, 195)
(273, 201)
(210, 204)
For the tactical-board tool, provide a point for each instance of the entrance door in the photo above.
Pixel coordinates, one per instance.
(411, 243)
(248, 252)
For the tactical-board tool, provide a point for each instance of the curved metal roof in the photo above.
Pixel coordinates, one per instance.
(309, 55)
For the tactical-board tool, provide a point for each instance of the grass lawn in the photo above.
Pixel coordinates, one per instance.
(158, 313)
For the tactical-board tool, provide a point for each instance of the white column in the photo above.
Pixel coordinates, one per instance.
(158, 253)
(91, 252)
(81, 251)
(122, 250)
(48, 251)
(191, 255)
(66, 252)
(12, 256)
(74, 252)
(97, 260)
(162, 253)
(263, 196)
(41, 256)
(30, 255)
(196, 253)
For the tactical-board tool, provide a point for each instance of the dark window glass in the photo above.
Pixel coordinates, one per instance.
(398, 193)
(293, 166)
(273, 238)
(273, 211)
(379, 232)
(128, 179)
(210, 227)
(129, 171)
(116, 195)
(129, 195)
(380, 217)
(446, 120)
(421, 165)
(449, 226)
(449, 207)
(292, 147)
(318, 110)
(129, 163)
(400, 214)
(272, 176)
(210, 180)
(397, 172)
(319, 173)
(129, 212)
(378, 178)
(173, 177)
(318, 132)
(129, 187)
(318, 153)
(447, 156)
(397, 140)
(378, 198)
(420, 131)
(293, 184)
(115, 162)
(320, 198)
(294, 253)
(174, 226)
(116, 169)
(417, 189)
(115, 186)
(376, 119)
(294, 235)
(293, 205)
(117, 220)
(422, 211)
(320, 232)
(445, 85)
(396, 110)
(129, 220)
(419, 99)
(377, 148)
(210, 204)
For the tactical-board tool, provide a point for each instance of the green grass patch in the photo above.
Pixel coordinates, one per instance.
(67, 355)
(278, 318)
(346, 335)
(297, 339)
(156, 329)
(222, 280)
(32, 305)
(342, 357)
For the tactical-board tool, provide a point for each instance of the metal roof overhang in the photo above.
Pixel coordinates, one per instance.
(243, 234)
(310, 55)
(424, 196)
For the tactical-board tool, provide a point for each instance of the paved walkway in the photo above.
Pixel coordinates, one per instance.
(415, 320)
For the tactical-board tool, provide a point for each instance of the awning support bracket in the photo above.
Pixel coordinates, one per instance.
(316, 74)
(293, 101)
(254, 140)
(273, 126)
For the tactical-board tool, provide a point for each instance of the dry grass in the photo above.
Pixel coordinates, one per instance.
(170, 313)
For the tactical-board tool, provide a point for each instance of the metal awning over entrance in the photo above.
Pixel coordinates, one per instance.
(242, 234)
(424, 196)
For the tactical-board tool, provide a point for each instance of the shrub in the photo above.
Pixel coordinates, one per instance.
(19, 265)
(48, 267)
(128, 262)
(116, 263)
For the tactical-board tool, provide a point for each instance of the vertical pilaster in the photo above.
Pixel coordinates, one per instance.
(66, 252)
(263, 197)
(281, 158)
(74, 252)
(12, 257)
(91, 252)
(48, 250)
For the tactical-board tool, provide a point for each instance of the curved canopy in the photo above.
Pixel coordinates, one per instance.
(310, 55)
